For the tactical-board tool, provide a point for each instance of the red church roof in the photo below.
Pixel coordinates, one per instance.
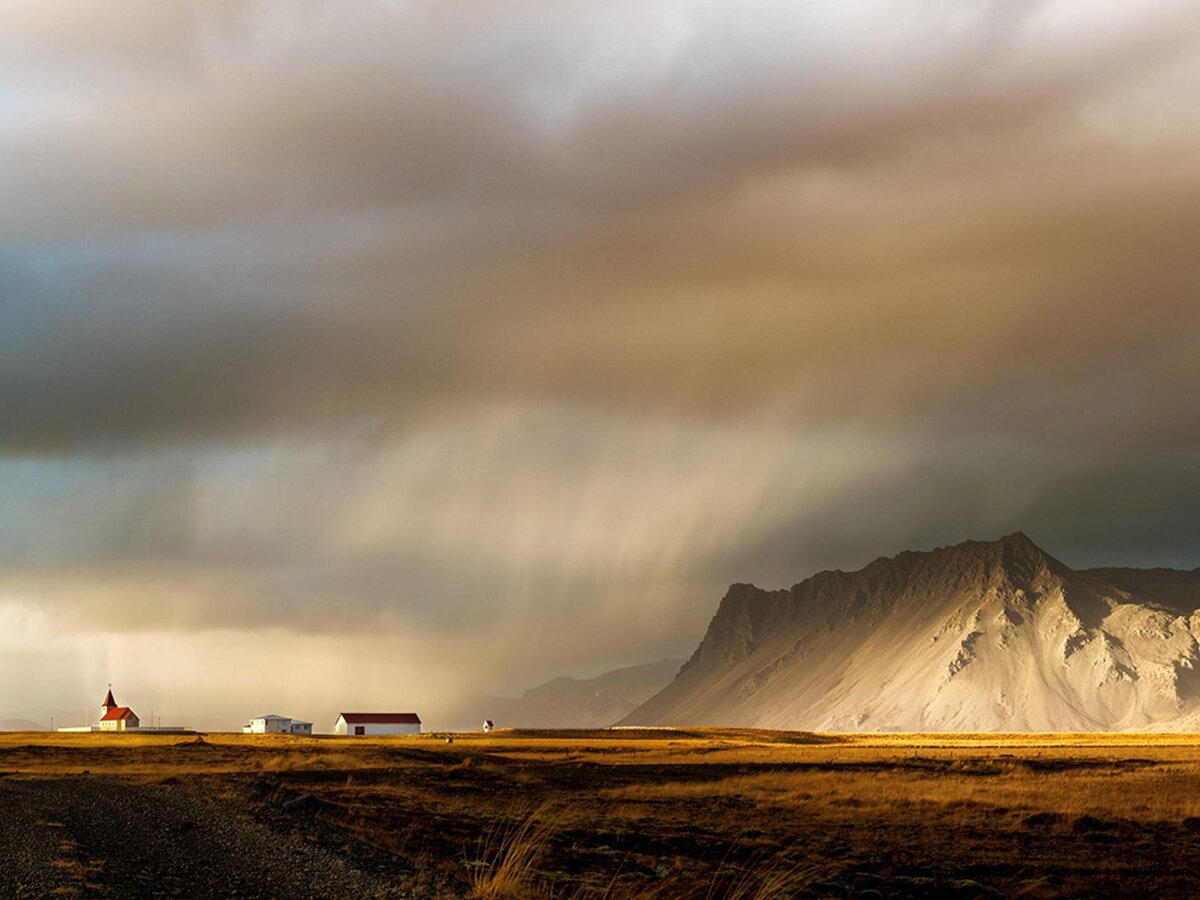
(117, 713)
(108, 700)
(381, 718)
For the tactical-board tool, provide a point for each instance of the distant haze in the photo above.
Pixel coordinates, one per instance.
(385, 355)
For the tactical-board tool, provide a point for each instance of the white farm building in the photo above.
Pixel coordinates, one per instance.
(273, 724)
(360, 724)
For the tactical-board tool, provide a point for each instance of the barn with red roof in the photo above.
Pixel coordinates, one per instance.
(362, 724)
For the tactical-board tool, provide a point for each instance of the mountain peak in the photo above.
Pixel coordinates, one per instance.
(980, 635)
(1020, 541)
(1015, 555)
(1019, 548)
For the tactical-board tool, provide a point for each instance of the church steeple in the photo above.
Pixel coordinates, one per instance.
(109, 702)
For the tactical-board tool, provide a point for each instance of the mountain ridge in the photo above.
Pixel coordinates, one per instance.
(981, 635)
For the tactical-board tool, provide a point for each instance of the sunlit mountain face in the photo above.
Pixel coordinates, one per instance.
(983, 636)
(397, 354)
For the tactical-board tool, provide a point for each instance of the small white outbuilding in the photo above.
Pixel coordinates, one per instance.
(273, 724)
(361, 724)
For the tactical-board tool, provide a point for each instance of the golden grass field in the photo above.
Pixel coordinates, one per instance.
(697, 812)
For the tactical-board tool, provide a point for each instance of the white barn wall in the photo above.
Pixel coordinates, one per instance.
(377, 729)
(381, 728)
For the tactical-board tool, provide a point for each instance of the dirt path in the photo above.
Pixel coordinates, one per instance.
(107, 837)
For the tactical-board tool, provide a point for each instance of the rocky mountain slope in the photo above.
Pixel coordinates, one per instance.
(982, 636)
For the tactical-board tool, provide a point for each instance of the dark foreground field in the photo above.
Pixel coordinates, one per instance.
(703, 814)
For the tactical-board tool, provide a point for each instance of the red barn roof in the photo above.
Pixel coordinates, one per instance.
(381, 718)
(117, 713)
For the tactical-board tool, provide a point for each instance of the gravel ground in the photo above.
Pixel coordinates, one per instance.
(29, 845)
(93, 836)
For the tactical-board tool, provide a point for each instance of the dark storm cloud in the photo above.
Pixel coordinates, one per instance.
(439, 317)
(252, 217)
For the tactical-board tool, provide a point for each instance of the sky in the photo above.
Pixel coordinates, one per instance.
(380, 355)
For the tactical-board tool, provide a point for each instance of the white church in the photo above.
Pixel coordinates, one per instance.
(122, 718)
(117, 718)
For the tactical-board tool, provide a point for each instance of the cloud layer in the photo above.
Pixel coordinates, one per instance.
(517, 331)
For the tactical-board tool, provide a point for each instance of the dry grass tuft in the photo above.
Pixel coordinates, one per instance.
(766, 880)
(505, 865)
